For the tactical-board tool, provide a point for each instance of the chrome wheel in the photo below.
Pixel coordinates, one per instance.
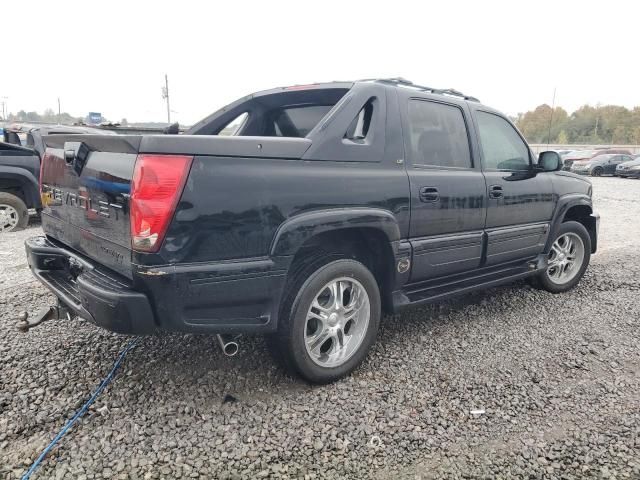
(566, 258)
(8, 218)
(337, 322)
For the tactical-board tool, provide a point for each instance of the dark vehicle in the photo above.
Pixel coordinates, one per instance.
(322, 207)
(599, 165)
(630, 168)
(20, 155)
(582, 155)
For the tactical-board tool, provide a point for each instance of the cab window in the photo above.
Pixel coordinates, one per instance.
(502, 147)
(438, 135)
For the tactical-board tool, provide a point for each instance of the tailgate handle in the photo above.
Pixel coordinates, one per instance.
(69, 156)
(76, 154)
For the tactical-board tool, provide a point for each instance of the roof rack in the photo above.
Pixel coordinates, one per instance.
(399, 81)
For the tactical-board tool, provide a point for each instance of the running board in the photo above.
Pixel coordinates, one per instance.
(445, 287)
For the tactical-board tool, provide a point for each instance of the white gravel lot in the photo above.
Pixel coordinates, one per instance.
(558, 377)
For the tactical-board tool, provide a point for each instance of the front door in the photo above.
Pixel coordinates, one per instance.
(448, 192)
(521, 202)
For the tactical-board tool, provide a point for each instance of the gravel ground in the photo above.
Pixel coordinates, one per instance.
(558, 377)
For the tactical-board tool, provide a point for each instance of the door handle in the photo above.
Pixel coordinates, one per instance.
(429, 194)
(495, 191)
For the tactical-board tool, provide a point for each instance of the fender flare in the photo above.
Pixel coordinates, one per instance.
(28, 182)
(294, 232)
(565, 203)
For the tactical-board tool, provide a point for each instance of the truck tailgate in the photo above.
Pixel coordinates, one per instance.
(86, 184)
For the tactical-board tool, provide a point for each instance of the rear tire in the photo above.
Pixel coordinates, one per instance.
(568, 260)
(14, 214)
(329, 319)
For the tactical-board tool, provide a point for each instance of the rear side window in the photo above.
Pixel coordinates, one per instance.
(359, 127)
(502, 147)
(438, 135)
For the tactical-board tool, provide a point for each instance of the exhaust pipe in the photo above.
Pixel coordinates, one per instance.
(228, 344)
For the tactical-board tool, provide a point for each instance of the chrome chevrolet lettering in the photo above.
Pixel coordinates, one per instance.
(99, 207)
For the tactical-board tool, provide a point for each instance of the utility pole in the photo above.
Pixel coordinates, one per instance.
(165, 95)
(58, 110)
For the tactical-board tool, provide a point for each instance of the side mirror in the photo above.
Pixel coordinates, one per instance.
(549, 161)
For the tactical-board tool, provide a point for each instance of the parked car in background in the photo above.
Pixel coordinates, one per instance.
(581, 155)
(604, 164)
(20, 155)
(630, 168)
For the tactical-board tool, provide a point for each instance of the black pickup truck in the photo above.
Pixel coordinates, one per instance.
(304, 213)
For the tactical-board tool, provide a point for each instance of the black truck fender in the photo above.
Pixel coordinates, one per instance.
(25, 180)
(576, 207)
(296, 231)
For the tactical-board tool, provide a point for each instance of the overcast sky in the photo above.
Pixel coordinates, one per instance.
(111, 56)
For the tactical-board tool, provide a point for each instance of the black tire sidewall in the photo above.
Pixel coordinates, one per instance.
(597, 172)
(298, 312)
(17, 203)
(581, 231)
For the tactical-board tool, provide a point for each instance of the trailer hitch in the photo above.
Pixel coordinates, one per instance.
(53, 312)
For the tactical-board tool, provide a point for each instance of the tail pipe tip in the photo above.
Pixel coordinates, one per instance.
(228, 344)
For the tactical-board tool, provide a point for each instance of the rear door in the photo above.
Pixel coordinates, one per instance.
(521, 201)
(448, 192)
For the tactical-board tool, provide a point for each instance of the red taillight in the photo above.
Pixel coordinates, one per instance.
(156, 187)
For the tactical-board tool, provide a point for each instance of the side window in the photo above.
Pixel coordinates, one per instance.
(234, 126)
(502, 147)
(359, 127)
(438, 135)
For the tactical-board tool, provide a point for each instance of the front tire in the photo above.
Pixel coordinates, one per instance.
(329, 320)
(597, 172)
(568, 259)
(14, 214)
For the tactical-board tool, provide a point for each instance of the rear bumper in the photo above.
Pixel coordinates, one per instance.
(92, 293)
(223, 297)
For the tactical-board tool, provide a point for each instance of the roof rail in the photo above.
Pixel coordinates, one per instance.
(399, 81)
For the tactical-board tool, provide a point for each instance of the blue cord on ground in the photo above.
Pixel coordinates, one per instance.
(83, 410)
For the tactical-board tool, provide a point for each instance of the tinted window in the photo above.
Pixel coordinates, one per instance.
(502, 147)
(438, 135)
(359, 127)
(297, 121)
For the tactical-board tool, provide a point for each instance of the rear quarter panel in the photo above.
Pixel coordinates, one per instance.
(232, 207)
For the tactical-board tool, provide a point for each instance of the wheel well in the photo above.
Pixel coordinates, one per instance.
(582, 214)
(369, 246)
(13, 187)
